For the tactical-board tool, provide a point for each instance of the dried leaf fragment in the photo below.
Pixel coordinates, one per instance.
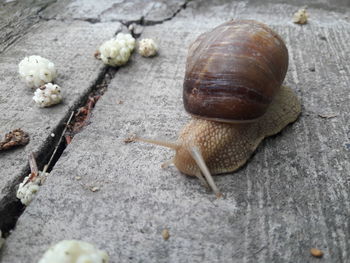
(97, 55)
(165, 234)
(82, 117)
(316, 252)
(300, 17)
(34, 171)
(14, 138)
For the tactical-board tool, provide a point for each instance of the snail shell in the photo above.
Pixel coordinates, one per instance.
(234, 71)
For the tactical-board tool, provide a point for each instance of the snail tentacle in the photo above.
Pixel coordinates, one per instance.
(167, 144)
(197, 156)
(202, 179)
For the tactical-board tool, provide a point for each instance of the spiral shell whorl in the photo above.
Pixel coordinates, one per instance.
(234, 71)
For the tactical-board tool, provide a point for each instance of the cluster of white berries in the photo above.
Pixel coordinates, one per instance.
(74, 251)
(48, 95)
(117, 51)
(147, 47)
(36, 71)
(27, 190)
(39, 72)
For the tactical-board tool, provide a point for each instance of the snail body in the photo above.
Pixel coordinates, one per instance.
(225, 147)
(232, 88)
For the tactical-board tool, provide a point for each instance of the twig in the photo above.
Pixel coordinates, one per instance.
(34, 171)
(32, 163)
(328, 116)
(59, 142)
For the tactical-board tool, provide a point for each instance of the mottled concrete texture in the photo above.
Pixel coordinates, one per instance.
(292, 195)
(119, 10)
(71, 47)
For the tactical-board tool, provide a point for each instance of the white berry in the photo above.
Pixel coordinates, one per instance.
(36, 71)
(74, 251)
(147, 47)
(27, 190)
(48, 95)
(117, 51)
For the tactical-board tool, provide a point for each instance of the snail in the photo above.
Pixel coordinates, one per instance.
(233, 90)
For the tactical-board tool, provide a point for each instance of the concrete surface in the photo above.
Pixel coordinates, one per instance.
(78, 71)
(291, 196)
(117, 10)
(16, 17)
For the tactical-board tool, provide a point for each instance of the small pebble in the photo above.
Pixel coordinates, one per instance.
(165, 234)
(328, 116)
(300, 17)
(316, 252)
(78, 178)
(52, 135)
(94, 188)
(147, 47)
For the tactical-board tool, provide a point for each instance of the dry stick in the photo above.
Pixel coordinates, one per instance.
(34, 171)
(32, 163)
(59, 142)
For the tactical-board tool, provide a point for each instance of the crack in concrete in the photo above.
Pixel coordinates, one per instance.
(141, 21)
(10, 207)
(36, 19)
(45, 7)
(145, 22)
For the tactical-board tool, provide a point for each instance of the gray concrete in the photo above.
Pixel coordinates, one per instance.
(17, 17)
(71, 47)
(291, 196)
(109, 10)
(68, 39)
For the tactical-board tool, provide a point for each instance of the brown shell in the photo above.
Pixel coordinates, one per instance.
(234, 71)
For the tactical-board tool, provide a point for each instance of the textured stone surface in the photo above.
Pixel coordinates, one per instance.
(16, 17)
(291, 196)
(120, 10)
(71, 47)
